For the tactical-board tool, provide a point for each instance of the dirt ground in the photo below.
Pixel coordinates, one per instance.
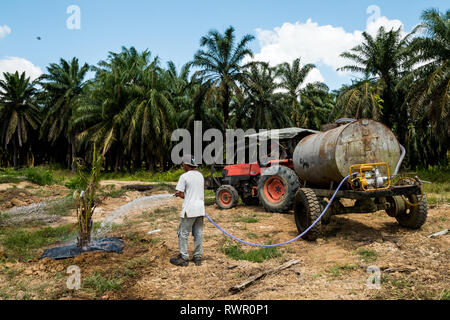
(412, 265)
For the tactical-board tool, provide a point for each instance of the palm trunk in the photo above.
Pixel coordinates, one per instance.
(226, 108)
(15, 154)
(116, 165)
(73, 153)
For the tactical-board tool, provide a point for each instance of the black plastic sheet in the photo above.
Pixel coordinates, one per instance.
(70, 251)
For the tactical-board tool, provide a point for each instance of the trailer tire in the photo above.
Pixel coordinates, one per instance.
(306, 211)
(276, 189)
(414, 217)
(227, 197)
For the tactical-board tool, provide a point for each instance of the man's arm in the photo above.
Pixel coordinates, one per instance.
(179, 194)
(181, 185)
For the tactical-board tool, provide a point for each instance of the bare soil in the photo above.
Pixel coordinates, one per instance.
(412, 265)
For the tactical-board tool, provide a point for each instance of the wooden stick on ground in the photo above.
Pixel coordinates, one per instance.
(258, 276)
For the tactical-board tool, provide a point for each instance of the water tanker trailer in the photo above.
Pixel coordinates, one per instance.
(365, 154)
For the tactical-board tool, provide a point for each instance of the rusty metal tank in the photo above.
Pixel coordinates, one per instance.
(325, 157)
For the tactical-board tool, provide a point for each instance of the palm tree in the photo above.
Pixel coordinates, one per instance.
(105, 111)
(63, 86)
(153, 116)
(220, 65)
(199, 106)
(18, 111)
(316, 105)
(383, 57)
(361, 99)
(429, 84)
(292, 77)
(260, 104)
(428, 87)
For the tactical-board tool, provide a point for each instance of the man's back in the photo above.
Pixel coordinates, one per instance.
(192, 184)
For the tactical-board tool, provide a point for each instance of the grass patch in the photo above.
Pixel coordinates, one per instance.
(3, 218)
(61, 207)
(74, 183)
(247, 219)
(210, 201)
(400, 283)
(22, 245)
(112, 193)
(367, 255)
(445, 295)
(38, 175)
(235, 252)
(438, 191)
(337, 269)
(10, 273)
(160, 213)
(171, 175)
(102, 284)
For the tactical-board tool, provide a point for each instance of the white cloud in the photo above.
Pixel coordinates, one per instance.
(4, 31)
(13, 64)
(314, 43)
(373, 26)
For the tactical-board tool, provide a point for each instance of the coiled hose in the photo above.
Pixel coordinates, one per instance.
(286, 242)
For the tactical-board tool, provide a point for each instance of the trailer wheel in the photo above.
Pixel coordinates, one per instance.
(306, 211)
(413, 217)
(276, 189)
(226, 197)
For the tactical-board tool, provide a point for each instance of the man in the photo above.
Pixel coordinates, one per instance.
(190, 187)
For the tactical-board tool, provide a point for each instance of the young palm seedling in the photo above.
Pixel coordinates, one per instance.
(85, 197)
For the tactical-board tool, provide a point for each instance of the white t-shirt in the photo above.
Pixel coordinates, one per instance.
(192, 184)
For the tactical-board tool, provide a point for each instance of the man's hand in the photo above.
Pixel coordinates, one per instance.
(179, 194)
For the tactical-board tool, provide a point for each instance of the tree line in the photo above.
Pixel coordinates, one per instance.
(130, 107)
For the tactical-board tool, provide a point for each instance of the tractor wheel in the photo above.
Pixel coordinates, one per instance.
(413, 217)
(306, 211)
(249, 200)
(276, 189)
(227, 197)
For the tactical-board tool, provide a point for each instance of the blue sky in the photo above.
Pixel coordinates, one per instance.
(172, 29)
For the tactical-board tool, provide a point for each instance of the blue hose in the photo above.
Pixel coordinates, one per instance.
(286, 242)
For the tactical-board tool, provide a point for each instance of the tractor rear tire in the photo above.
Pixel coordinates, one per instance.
(306, 211)
(414, 217)
(276, 189)
(227, 197)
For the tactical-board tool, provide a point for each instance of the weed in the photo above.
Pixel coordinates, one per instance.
(164, 187)
(61, 207)
(367, 255)
(247, 219)
(336, 269)
(210, 201)
(102, 284)
(22, 245)
(171, 175)
(10, 273)
(234, 251)
(445, 295)
(39, 176)
(251, 235)
(74, 183)
(113, 193)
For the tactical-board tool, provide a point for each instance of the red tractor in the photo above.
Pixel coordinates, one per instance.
(272, 183)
